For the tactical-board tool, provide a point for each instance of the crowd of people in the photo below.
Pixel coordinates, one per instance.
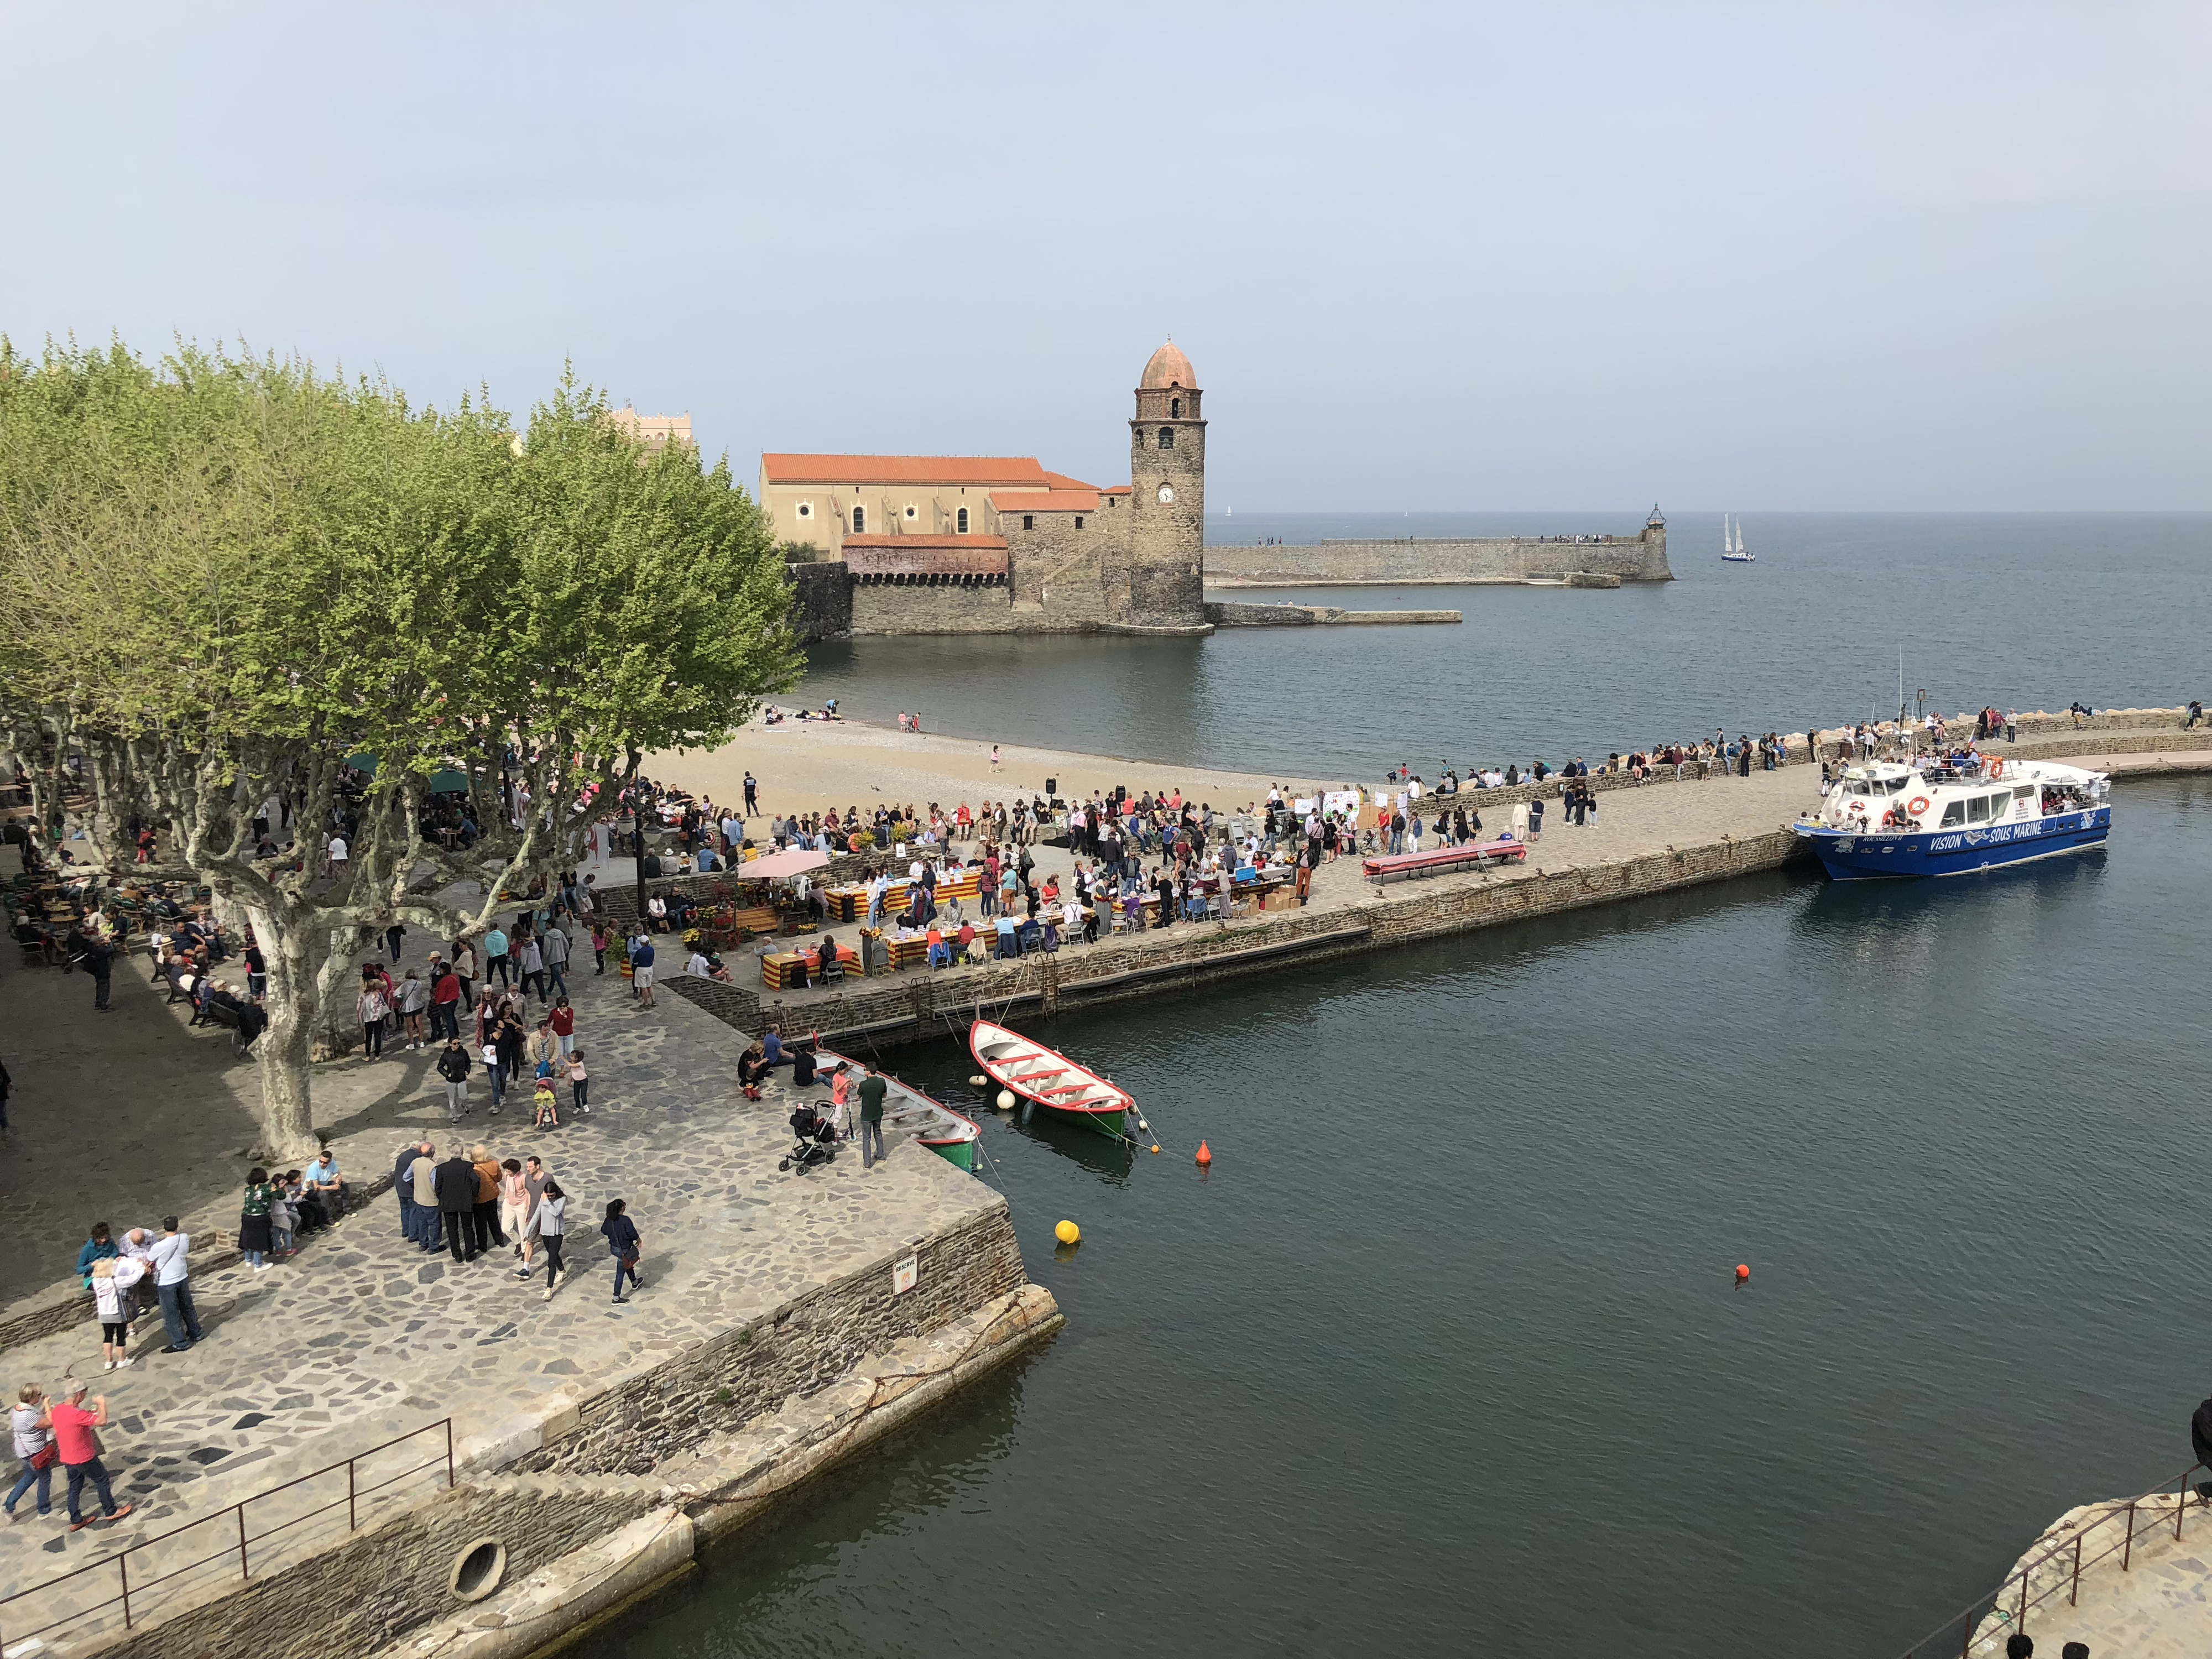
(473, 1203)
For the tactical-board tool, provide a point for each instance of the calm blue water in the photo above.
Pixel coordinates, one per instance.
(2028, 610)
(1445, 1357)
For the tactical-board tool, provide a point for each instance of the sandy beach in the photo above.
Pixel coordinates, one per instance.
(810, 765)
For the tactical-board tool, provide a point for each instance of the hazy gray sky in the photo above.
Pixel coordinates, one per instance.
(1455, 256)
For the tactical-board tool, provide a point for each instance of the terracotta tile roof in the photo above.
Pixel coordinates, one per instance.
(1061, 481)
(919, 542)
(1045, 501)
(1118, 490)
(984, 470)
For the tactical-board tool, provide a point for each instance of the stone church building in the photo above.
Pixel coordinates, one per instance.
(959, 544)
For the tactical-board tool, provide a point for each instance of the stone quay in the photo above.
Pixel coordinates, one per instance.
(413, 1455)
(521, 1463)
(1654, 837)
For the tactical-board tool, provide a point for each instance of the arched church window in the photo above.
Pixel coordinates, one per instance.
(1167, 437)
(964, 520)
(1174, 409)
(859, 520)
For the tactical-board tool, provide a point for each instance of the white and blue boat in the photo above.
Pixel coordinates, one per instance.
(1954, 816)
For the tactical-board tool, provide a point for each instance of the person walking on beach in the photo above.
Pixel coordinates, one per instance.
(752, 795)
(622, 1244)
(994, 758)
(872, 1091)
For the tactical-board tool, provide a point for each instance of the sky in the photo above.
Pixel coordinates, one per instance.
(1427, 258)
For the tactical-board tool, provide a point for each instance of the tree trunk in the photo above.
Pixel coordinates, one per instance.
(292, 1005)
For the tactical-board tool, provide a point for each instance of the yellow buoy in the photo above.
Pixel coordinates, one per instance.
(1005, 1100)
(1068, 1233)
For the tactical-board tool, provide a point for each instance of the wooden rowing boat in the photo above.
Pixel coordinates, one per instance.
(1050, 1078)
(935, 1125)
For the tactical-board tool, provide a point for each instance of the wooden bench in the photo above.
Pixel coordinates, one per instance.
(222, 1014)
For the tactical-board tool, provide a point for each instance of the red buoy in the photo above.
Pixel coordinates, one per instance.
(1205, 1156)
(1742, 1272)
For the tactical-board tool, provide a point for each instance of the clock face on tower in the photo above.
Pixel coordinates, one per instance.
(1167, 493)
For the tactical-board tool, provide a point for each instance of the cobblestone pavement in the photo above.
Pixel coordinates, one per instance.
(363, 1337)
(2159, 1607)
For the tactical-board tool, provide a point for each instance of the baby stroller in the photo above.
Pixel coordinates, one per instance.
(816, 1140)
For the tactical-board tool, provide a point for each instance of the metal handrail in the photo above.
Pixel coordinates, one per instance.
(120, 1562)
(2018, 1589)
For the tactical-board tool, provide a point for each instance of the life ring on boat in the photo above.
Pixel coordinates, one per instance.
(1917, 805)
(1997, 768)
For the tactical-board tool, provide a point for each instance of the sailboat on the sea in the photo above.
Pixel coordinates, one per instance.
(1732, 548)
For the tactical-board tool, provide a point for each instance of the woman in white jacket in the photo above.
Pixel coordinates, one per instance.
(548, 1226)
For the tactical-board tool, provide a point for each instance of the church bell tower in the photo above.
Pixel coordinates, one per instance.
(1167, 509)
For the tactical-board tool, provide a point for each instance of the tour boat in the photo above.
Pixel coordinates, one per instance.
(1939, 817)
(935, 1125)
(1053, 1080)
(1734, 552)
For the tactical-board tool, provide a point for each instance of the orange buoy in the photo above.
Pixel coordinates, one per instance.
(1205, 1155)
(1742, 1272)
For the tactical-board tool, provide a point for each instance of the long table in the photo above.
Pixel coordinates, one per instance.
(851, 902)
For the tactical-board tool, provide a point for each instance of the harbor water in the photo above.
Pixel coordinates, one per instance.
(2033, 611)
(1446, 1354)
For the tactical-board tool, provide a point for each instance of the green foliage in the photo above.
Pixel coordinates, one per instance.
(242, 549)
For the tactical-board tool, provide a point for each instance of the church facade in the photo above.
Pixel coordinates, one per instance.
(948, 543)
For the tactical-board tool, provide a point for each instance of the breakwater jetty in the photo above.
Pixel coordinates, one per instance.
(1583, 562)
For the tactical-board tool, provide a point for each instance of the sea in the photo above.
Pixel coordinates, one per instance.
(2024, 610)
(1446, 1353)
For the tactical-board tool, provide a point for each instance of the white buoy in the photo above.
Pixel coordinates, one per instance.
(1005, 1100)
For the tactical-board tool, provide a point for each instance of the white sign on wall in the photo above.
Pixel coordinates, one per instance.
(904, 1272)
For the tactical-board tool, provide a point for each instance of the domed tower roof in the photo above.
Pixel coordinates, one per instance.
(1169, 367)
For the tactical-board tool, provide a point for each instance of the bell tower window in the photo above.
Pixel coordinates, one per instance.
(1174, 409)
(1167, 437)
(859, 520)
(964, 520)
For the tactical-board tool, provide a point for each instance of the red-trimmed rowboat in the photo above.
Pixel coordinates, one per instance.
(1052, 1080)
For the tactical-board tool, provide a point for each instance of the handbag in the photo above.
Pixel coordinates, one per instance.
(44, 1457)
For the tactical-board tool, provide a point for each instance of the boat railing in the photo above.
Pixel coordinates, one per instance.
(1984, 1625)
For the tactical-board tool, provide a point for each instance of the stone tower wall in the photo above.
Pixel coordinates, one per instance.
(1165, 560)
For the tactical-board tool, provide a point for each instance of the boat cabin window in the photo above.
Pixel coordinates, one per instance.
(1978, 810)
(1955, 814)
(2001, 803)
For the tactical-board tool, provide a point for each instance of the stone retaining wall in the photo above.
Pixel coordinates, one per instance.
(391, 1576)
(1422, 561)
(718, 1386)
(917, 1006)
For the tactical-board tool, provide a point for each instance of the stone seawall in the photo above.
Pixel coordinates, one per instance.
(632, 1426)
(916, 1006)
(1421, 562)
